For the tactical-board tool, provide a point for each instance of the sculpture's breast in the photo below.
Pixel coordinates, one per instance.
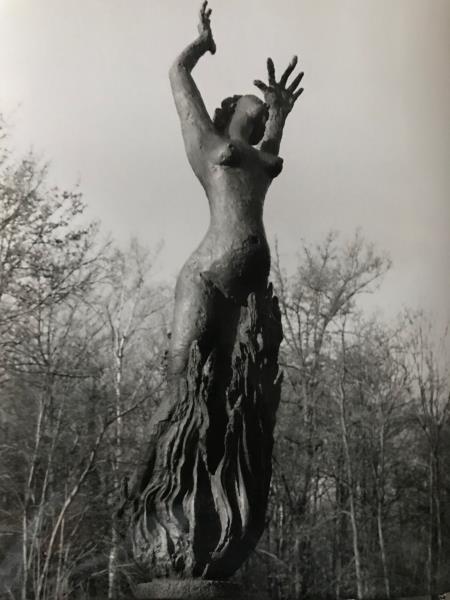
(229, 155)
(237, 154)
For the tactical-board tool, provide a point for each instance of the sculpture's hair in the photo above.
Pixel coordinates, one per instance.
(223, 114)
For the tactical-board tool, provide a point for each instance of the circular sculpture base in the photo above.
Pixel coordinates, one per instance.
(192, 589)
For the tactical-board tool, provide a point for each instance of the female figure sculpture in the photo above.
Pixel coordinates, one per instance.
(199, 501)
(234, 255)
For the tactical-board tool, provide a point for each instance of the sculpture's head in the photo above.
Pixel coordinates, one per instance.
(242, 117)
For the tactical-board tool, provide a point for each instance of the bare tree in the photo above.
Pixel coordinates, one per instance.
(325, 289)
(429, 366)
(132, 309)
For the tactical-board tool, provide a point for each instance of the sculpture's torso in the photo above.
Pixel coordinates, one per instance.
(234, 254)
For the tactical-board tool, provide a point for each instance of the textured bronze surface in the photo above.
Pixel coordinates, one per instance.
(200, 498)
(201, 507)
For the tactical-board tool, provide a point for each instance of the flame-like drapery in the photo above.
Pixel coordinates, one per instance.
(201, 506)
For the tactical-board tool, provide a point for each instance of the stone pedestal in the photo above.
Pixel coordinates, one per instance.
(193, 589)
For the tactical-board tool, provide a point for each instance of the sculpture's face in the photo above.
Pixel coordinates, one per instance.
(249, 119)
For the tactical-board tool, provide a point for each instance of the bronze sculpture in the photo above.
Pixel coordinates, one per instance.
(199, 501)
(234, 255)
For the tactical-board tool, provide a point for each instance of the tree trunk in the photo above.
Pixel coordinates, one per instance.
(387, 588)
(112, 562)
(351, 498)
(338, 532)
(434, 525)
(119, 346)
(380, 484)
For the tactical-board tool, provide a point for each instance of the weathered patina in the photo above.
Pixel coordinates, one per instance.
(200, 496)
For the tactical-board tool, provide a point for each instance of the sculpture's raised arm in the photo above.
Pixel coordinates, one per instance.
(280, 100)
(196, 123)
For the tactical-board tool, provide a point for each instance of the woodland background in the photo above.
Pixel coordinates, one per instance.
(359, 503)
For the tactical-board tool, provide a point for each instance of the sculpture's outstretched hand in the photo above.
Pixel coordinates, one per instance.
(277, 95)
(204, 27)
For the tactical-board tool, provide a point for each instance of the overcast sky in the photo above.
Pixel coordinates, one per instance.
(84, 82)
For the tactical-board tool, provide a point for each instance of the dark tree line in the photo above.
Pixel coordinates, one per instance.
(360, 494)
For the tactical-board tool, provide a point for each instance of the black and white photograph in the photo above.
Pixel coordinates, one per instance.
(224, 299)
